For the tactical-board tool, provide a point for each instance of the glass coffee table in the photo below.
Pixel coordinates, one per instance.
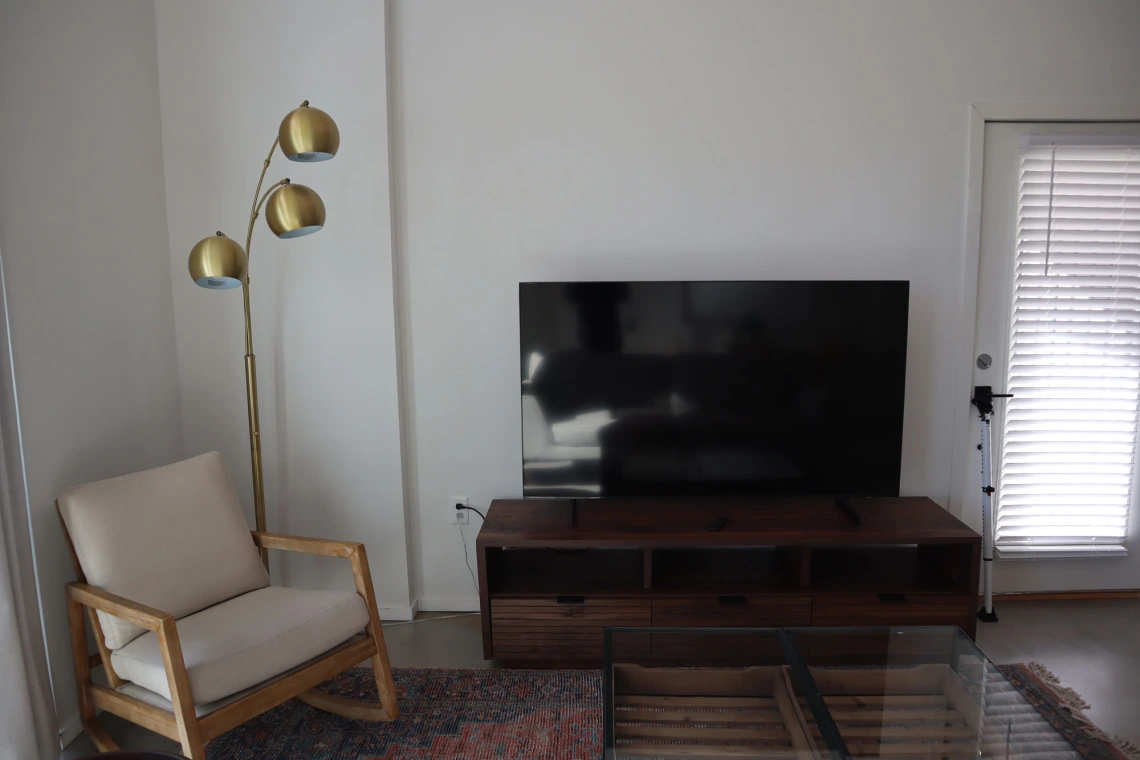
(813, 693)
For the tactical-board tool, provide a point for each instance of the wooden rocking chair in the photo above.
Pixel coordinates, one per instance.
(192, 638)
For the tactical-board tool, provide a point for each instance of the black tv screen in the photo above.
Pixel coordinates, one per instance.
(662, 389)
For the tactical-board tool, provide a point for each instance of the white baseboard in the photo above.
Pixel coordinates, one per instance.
(70, 728)
(398, 612)
(449, 604)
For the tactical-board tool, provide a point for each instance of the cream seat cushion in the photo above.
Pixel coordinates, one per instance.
(173, 538)
(246, 640)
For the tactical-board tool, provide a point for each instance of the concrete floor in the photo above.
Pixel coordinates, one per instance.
(1090, 645)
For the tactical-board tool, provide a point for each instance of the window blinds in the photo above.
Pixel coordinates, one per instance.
(1069, 433)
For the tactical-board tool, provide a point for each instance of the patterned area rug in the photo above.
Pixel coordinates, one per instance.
(556, 715)
(1064, 710)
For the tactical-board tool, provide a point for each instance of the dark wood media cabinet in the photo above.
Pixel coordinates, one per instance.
(548, 589)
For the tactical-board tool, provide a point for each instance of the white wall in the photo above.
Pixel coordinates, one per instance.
(323, 313)
(735, 139)
(83, 236)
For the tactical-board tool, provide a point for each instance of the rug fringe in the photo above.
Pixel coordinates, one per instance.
(1129, 749)
(1076, 705)
(1069, 697)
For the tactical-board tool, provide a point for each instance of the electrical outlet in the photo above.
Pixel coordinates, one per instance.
(458, 516)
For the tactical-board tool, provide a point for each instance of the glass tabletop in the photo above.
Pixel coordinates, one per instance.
(816, 693)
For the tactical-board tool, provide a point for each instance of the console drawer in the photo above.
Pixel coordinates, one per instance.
(732, 611)
(560, 627)
(890, 609)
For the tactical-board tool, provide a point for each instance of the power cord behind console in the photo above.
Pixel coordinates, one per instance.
(463, 539)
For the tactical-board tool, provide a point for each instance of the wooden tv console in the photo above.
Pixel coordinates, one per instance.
(548, 589)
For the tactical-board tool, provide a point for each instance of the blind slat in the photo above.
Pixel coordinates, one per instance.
(1069, 439)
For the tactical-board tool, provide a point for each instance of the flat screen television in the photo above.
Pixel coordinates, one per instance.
(706, 389)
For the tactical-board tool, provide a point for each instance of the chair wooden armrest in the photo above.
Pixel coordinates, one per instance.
(362, 578)
(122, 608)
(321, 546)
(183, 724)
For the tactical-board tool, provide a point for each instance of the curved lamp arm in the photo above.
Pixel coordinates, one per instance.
(253, 214)
(256, 212)
(256, 207)
(257, 192)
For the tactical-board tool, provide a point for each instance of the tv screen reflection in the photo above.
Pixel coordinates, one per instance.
(659, 389)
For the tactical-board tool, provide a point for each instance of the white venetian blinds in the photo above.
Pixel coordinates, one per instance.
(1069, 435)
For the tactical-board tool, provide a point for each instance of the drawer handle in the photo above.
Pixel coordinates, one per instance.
(892, 598)
(732, 599)
(571, 600)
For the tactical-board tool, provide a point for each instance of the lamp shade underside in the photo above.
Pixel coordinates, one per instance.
(300, 232)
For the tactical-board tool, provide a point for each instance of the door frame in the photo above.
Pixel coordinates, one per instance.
(979, 114)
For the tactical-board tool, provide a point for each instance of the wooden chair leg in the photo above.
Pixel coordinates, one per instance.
(384, 683)
(81, 662)
(380, 666)
(352, 709)
(189, 733)
(99, 736)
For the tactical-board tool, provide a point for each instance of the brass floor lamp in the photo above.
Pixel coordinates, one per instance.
(306, 135)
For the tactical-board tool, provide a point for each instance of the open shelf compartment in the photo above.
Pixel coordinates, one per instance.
(728, 570)
(932, 568)
(597, 572)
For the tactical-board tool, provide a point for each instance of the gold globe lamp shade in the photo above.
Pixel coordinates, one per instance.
(294, 211)
(218, 263)
(308, 135)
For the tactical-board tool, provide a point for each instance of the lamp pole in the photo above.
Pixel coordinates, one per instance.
(305, 135)
(251, 360)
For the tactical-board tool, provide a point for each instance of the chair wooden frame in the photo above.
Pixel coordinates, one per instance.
(182, 723)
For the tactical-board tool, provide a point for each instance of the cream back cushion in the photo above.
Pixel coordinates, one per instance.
(173, 538)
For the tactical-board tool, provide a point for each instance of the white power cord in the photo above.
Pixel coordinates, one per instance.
(475, 583)
(467, 560)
